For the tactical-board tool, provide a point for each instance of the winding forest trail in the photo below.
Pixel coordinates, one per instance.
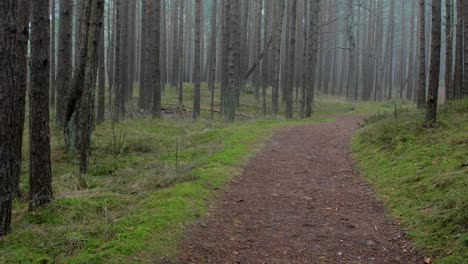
(299, 201)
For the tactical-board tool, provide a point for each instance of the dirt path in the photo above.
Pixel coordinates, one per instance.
(299, 201)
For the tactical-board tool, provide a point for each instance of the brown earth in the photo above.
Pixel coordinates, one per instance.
(299, 201)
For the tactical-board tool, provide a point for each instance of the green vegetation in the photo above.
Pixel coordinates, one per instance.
(147, 180)
(421, 174)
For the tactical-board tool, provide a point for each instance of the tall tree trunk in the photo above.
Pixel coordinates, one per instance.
(101, 102)
(233, 63)
(292, 53)
(21, 71)
(118, 98)
(8, 108)
(278, 14)
(145, 26)
(180, 56)
(40, 174)
(312, 54)
(402, 50)
(464, 91)
(421, 102)
(163, 66)
(257, 46)
(431, 111)
(197, 63)
(411, 57)
(64, 66)
(52, 55)
(392, 41)
(448, 49)
(94, 28)
(351, 46)
(110, 50)
(458, 78)
(212, 59)
(155, 55)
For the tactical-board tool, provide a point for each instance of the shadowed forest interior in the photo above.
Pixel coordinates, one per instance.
(118, 118)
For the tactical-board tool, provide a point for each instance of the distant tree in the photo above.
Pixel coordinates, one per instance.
(464, 90)
(312, 42)
(278, 14)
(431, 111)
(292, 53)
(212, 58)
(421, 95)
(411, 58)
(257, 40)
(180, 56)
(40, 174)
(155, 59)
(145, 26)
(197, 63)
(448, 50)
(101, 100)
(458, 76)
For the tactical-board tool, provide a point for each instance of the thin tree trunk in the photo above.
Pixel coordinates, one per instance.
(279, 14)
(213, 49)
(431, 111)
(52, 56)
(312, 54)
(448, 50)
(292, 52)
(411, 57)
(421, 102)
(101, 102)
(155, 54)
(458, 78)
(197, 63)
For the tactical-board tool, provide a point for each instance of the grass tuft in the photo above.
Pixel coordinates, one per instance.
(421, 174)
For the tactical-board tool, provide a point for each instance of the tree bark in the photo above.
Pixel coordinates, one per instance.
(431, 111)
(40, 174)
(52, 56)
(279, 14)
(292, 52)
(155, 58)
(448, 50)
(64, 70)
(312, 55)
(94, 27)
(197, 62)
(8, 141)
(212, 59)
(101, 102)
(458, 78)
(421, 102)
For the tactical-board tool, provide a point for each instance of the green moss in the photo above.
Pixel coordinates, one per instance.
(133, 204)
(418, 172)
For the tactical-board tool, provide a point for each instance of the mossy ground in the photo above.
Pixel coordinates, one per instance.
(421, 174)
(147, 179)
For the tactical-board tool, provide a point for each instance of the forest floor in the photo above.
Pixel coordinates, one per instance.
(300, 200)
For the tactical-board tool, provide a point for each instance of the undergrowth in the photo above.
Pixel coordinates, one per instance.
(147, 179)
(421, 173)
